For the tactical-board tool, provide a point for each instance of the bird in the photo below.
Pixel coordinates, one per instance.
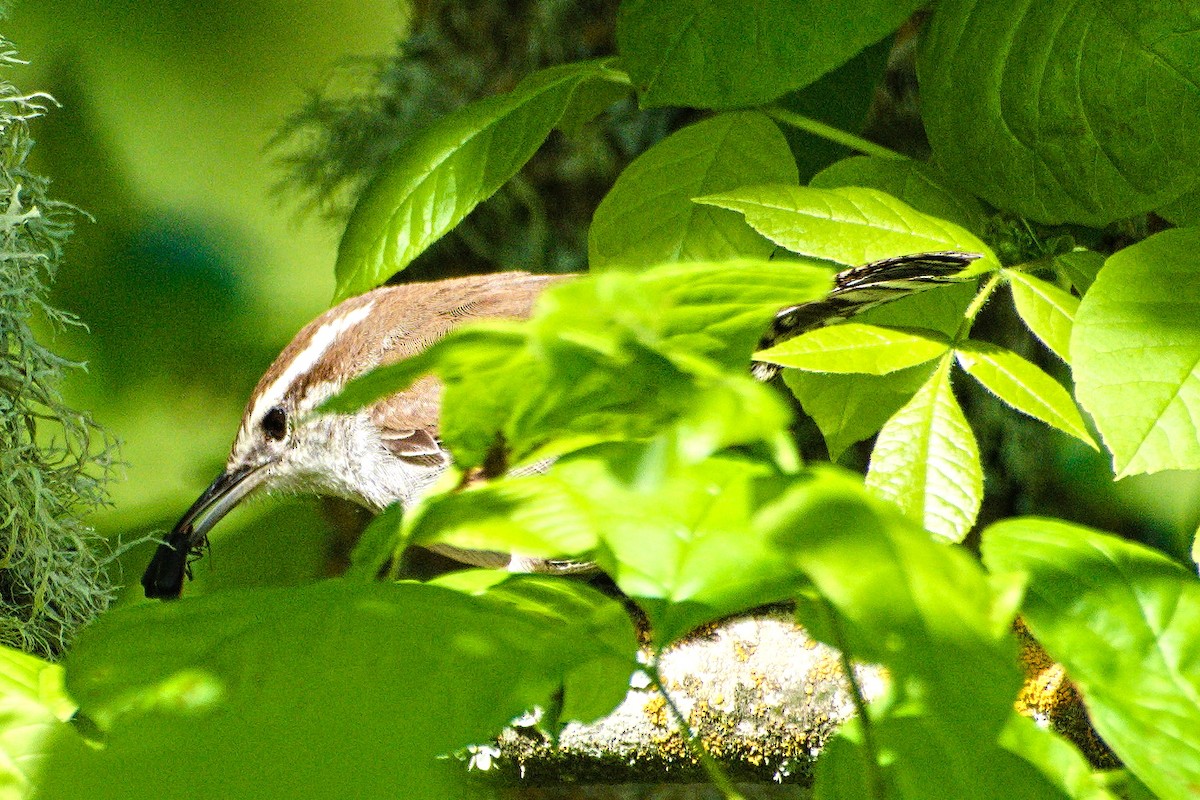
(389, 451)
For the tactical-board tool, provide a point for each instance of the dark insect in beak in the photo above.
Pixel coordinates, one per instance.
(187, 541)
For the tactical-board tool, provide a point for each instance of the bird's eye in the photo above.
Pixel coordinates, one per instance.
(274, 423)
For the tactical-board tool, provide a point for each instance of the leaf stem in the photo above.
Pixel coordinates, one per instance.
(964, 330)
(831, 133)
(874, 776)
(715, 773)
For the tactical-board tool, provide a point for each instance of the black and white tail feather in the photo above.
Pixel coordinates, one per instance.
(859, 288)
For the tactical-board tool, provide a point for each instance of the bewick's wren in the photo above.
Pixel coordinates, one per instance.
(390, 451)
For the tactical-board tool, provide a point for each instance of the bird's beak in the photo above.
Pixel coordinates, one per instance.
(163, 579)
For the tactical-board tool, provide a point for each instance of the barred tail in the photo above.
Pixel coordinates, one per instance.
(859, 288)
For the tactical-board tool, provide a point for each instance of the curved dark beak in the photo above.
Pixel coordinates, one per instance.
(163, 579)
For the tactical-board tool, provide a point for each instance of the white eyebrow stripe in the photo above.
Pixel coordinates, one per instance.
(321, 340)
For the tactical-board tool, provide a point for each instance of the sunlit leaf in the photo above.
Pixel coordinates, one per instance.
(920, 185)
(848, 225)
(1046, 309)
(927, 462)
(1135, 350)
(426, 188)
(850, 408)
(33, 709)
(648, 216)
(1065, 111)
(1128, 635)
(1023, 386)
(856, 348)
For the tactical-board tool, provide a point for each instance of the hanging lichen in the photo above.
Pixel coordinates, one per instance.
(54, 460)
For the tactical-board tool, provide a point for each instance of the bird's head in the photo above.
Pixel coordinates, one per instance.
(381, 454)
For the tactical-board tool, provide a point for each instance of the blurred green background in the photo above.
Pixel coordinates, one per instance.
(192, 273)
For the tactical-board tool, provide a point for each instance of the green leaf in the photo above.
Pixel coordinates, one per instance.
(720, 311)
(725, 53)
(850, 408)
(1183, 211)
(848, 225)
(380, 680)
(939, 309)
(580, 613)
(532, 515)
(854, 347)
(842, 99)
(927, 462)
(1023, 386)
(33, 710)
(921, 185)
(425, 189)
(1065, 111)
(1080, 267)
(1135, 350)
(1128, 636)
(592, 99)
(1055, 758)
(891, 595)
(378, 543)
(648, 216)
(1047, 310)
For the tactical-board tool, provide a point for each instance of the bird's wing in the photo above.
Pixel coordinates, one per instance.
(425, 313)
(859, 288)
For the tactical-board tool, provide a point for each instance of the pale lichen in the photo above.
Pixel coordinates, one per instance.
(54, 460)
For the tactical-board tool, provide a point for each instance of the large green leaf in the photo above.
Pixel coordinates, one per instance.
(425, 189)
(726, 53)
(920, 185)
(848, 225)
(1023, 386)
(648, 216)
(335, 689)
(927, 462)
(33, 710)
(1065, 110)
(856, 348)
(892, 595)
(849, 408)
(1047, 310)
(1135, 350)
(1125, 622)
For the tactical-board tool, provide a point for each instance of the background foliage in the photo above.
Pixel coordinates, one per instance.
(1065, 166)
